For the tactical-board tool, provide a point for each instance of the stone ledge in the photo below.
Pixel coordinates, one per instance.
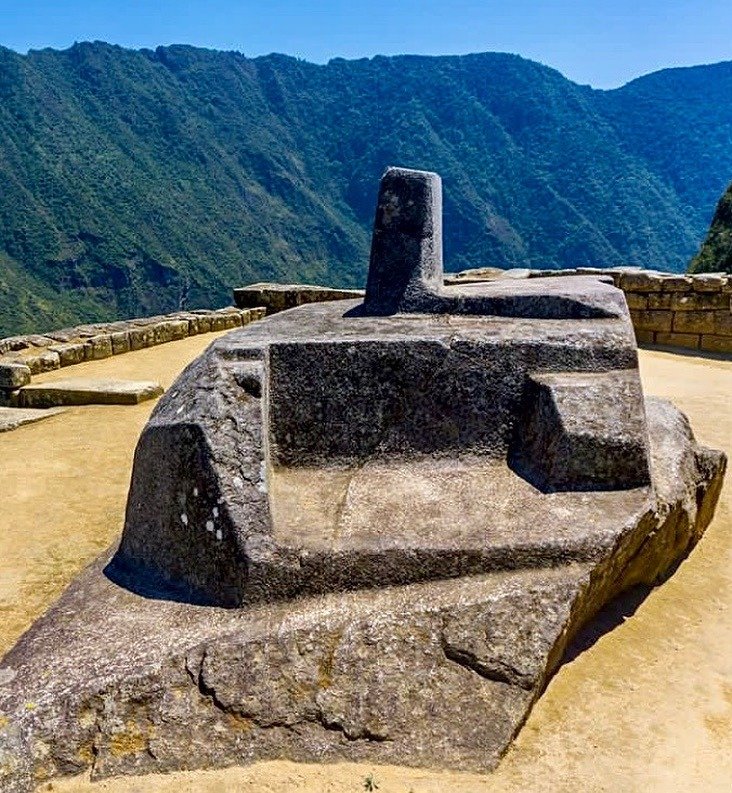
(86, 391)
(280, 297)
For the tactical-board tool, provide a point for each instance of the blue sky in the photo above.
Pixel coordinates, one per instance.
(602, 43)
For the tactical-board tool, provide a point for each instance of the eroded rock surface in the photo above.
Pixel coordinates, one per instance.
(353, 534)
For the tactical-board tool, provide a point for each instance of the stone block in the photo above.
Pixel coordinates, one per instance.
(687, 340)
(191, 319)
(721, 344)
(98, 347)
(12, 418)
(218, 322)
(652, 320)
(709, 282)
(120, 342)
(692, 301)
(676, 283)
(141, 337)
(36, 340)
(723, 323)
(13, 344)
(70, 353)
(645, 336)
(582, 431)
(406, 246)
(660, 301)
(87, 391)
(13, 375)
(231, 318)
(638, 301)
(42, 360)
(693, 322)
(178, 329)
(64, 335)
(162, 332)
(279, 297)
(641, 282)
(204, 323)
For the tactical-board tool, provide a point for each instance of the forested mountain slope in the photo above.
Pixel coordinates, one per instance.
(715, 254)
(138, 181)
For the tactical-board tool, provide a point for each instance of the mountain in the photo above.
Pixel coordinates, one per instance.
(140, 181)
(715, 254)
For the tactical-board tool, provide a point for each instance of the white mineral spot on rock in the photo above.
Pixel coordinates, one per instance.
(262, 484)
(209, 525)
(238, 482)
(215, 512)
(219, 534)
(195, 491)
(7, 675)
(180, 410)
(184, 519)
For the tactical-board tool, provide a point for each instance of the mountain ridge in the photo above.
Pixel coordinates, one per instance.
(140, 180)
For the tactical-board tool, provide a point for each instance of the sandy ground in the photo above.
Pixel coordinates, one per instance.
(648, 707)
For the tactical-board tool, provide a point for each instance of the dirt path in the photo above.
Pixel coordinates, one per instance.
(64, 484)
(647, 708)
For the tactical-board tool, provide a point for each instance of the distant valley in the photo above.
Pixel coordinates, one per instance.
(139, 181)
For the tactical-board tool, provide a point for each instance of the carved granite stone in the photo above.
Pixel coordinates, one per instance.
(365, 529)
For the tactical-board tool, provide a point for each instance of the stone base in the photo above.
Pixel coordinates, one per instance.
(439, 674)
(12, 418)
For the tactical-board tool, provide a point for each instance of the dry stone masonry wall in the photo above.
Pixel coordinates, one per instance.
(680, 311)
(24, 356)
(672, 309)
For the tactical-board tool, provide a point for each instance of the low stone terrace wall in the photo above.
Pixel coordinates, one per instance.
(681, 311)
(667, 309)
(23, 356)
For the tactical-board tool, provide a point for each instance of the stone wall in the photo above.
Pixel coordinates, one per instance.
(667, 309)
(23, 356)
(680, 311)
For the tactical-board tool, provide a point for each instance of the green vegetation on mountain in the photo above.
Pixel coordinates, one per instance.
(138, 181)
(715, 254)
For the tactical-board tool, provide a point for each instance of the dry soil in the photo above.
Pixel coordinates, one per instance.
(647, 707)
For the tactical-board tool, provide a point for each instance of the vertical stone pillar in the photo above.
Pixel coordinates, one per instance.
(406, 246)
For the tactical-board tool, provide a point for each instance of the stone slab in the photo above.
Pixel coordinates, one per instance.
(12, 418)
(87, 391)
(279, 297)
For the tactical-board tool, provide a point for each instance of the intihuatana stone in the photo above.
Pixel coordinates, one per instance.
(356, 519)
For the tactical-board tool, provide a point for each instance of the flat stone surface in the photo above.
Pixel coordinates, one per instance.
(87, 391)
(12, 418)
